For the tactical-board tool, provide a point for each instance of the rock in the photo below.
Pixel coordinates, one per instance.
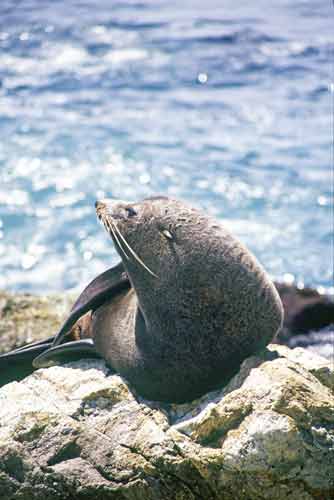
(25, 318)
(78, 432)
(308, 319)
(305, 310)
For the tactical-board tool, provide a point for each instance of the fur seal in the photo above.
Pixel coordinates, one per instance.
(184, 307)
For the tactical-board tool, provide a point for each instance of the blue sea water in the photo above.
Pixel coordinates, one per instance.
(225, 104)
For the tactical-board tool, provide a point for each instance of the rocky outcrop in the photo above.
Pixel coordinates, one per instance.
(305, 309)
(25, 317)
(308, 319)
(80, 432)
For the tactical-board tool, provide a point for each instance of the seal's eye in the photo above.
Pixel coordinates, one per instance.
(130, 211)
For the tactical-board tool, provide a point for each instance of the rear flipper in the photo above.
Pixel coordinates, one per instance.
(64, 353)
(16, 365)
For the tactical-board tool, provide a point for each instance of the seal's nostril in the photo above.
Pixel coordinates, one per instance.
(100, 205)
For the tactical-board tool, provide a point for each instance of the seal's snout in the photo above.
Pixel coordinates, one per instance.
(100, 206)
(112, 208)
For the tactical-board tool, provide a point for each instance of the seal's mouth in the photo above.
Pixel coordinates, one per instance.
(101, 212)
(122, 246)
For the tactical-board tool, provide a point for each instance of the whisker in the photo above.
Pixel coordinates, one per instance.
(133, 252)
(111, 228)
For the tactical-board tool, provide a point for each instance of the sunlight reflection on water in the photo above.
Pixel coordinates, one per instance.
(226, 111)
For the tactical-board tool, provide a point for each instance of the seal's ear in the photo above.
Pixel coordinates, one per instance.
(167, 234)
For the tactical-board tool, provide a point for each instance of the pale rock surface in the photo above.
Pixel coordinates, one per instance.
(80, 432)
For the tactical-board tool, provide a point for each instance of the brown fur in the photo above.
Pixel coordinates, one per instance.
(200, 301)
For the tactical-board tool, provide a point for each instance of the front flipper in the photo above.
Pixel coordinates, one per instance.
(94, 295)
(70, 351)
(17, 364)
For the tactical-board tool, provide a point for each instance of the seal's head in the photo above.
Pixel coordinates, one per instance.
(192, 266)
(157, 236)
(133, 227)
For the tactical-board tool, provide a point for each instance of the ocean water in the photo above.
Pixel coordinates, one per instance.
(225, 104)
